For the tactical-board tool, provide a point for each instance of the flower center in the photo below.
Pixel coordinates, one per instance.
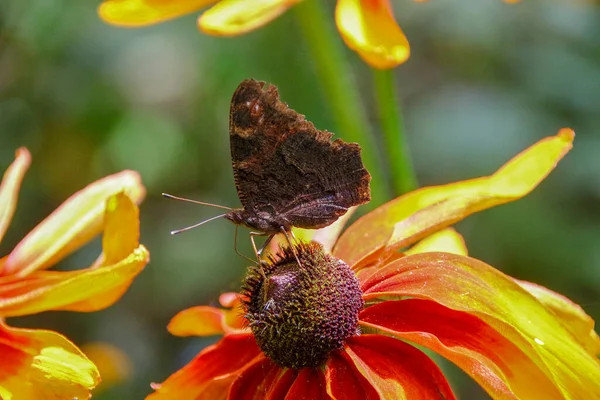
(301, 313)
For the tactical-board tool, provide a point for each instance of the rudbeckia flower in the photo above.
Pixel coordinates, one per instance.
(40, 364)
(367, 26)
(342, 324)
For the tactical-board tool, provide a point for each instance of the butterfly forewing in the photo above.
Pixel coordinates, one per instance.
(287, 170)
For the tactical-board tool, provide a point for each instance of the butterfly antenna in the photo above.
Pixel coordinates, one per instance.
(197, 225)
(170, 196)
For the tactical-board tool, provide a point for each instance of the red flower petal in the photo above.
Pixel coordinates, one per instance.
(309, 385)
(469, 285)
(210, 374)
(492, 360)
(262, 380)
(417, 214)
(397, 370)
(345, 382)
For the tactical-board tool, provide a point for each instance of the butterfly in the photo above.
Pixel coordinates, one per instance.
(288, 173)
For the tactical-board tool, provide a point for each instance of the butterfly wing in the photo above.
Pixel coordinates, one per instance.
(286, 168)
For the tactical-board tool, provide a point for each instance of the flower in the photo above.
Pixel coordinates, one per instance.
(367, 26)
(39, 364)
(515, 339)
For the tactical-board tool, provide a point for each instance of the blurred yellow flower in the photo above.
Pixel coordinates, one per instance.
(112, 362)
(38, 364)
(367, 26)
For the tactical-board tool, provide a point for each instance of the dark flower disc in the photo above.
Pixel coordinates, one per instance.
(299, 314)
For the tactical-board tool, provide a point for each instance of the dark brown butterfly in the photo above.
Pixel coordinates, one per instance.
(287, 172)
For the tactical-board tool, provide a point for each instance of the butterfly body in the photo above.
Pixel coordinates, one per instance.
(287, 172)
(260, 221)
(301, 217)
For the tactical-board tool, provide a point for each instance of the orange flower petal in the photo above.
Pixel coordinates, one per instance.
(39, 364)
(468, 285)
(369, 28)
(85, 290)
(572, 315)
(206, 321)
(229, 299)
(397, 370)
(72, 225)
(498, 365)
(210, 374)
(9, 189)
(446, 240)
(198, 321)
(133, 13)
(235, 17)
(417, 214)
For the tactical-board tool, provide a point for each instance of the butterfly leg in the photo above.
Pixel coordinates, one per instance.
(265, 244)
(287, 236)
(257, 252)
(235, 247)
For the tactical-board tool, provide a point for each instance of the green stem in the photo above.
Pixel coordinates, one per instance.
(341, 91)
(390, 117)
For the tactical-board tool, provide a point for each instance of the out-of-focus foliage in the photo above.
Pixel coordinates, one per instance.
(485, 80)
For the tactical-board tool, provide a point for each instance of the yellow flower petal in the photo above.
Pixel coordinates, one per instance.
(39, 364)
(121, 228)
(132, 13)
(9, 189)
(369, 28)
(446, 240)
(329, 235)
(86, 290)
(417, 214)
(572, 315)
(72, 225)
(235, 17)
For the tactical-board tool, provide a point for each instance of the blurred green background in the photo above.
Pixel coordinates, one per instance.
(485, 80)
